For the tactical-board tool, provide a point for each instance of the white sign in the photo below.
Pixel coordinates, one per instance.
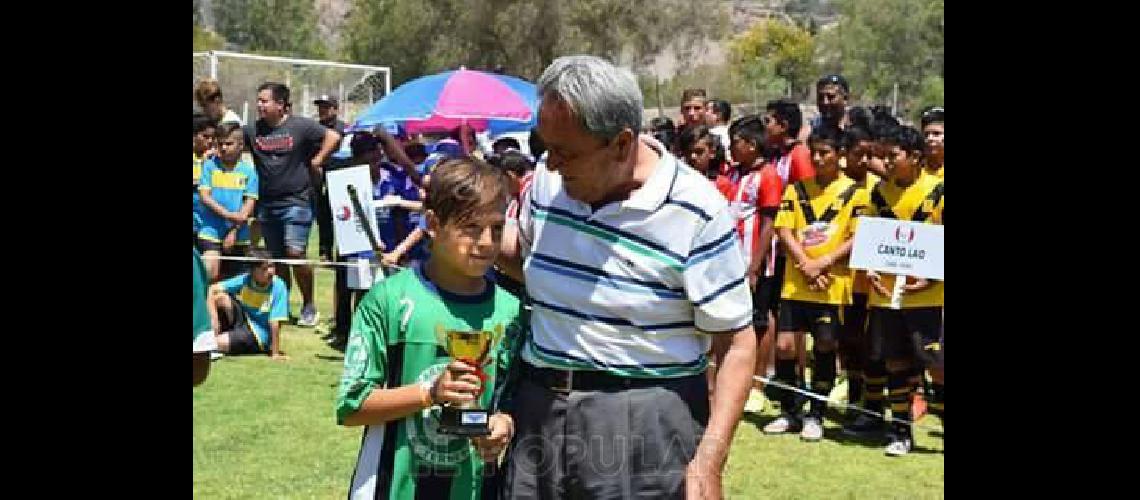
(347, 229)
(899, 247)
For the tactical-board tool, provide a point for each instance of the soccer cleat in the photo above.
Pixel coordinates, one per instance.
(813, 429)
(309, 316)
(898, 446)
(756, 402)
(785, 423)
(215, 355)
(864, 426)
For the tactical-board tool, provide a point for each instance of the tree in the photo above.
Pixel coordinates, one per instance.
(774, 51)
(880, 43)
(285, 27)
(205, 39)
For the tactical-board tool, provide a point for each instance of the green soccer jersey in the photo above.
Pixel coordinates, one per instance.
(204, 340)
(395, 342)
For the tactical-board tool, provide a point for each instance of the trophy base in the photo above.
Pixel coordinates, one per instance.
(464, 422)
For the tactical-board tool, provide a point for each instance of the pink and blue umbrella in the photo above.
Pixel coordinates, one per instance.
(446, 100)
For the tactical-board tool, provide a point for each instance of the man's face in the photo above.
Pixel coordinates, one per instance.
(900, 164)
(825, 159)
(935, 134)
(711, 117)
(468, 246)
(589, 167)
(831, 100)
(262, 274)
(693, 110)
(859, 158)
(204, 140)
(267, 108)
(326, 112)
(229, 148)
(700, 155)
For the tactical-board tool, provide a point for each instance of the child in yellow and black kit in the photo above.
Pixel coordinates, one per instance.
(906, 334)
(816, 223)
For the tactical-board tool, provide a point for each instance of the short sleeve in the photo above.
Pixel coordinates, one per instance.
(251, 183)
(859, 207)
(234, 284)
(279, 301)
(526, 215)
(314, 132)
(801, 167)
(769, 192)
(786, 217)
(365, 357)
(714, 277)
(206, 182)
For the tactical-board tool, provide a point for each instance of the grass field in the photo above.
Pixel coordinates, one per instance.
(265, 429)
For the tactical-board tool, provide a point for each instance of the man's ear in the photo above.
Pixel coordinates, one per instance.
(625, 141)
(433, 225)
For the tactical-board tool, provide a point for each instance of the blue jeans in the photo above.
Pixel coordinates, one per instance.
(286, 227)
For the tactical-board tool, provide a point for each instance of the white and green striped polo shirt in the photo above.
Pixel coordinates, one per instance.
(625, 289)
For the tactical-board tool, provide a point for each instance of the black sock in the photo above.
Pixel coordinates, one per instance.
(786, 373)
(899, 389)
(822, 380)
(876, 381)
(854, 386)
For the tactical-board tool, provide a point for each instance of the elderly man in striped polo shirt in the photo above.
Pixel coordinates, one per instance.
(634, 270)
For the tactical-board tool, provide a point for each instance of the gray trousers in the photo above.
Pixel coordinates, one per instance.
(631, 443)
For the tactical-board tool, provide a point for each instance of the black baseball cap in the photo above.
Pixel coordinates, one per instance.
(326, 99)
(833, 79)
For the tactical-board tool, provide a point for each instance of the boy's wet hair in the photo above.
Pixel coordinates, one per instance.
(853, 135)
(203, 122)
(909, 139)
(749, 128)
(261, 257)
(460, 188)
(788, 112)
(224, 130)
(826, 135)
(512, 161)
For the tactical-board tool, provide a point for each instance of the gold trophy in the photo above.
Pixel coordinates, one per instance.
(473, 348)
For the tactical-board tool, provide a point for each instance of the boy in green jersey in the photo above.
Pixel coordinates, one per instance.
(397, 371)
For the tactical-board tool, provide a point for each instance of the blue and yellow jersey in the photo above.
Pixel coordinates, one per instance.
(229, 188)
(261, 305)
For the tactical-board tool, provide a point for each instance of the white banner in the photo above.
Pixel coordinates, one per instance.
(347, 229)
(899, 247)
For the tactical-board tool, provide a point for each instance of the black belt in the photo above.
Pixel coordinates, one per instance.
(566, 381)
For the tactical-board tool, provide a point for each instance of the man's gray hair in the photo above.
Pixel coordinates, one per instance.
(605, 98)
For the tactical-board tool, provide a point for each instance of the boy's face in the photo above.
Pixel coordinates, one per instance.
(693, 110)
(825, 159)
(859, 157)
(935, 134)
(468, 246)
(699, 155)
(710, 115)
(901, 165)
(262, 274)
(514, 183)
(774, 127)
(229, 147)
(203, 140)
(743, 150)
(879, 153)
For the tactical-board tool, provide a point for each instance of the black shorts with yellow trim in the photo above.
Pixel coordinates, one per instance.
(243, 340)
(904, 333)
(822, 321)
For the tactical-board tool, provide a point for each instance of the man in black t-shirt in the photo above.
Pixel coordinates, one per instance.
(288, 152)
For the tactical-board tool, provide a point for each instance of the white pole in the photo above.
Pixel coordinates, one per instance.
(245, 112)
(305, 106)
(387, 81)
(213, 65)
(895, 101)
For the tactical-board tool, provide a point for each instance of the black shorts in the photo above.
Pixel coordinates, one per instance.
(905, 333)
(766, 297)
(820, 320)
(243, 340)
(855, 317)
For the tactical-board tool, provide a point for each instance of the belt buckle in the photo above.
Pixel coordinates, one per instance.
(569, 382)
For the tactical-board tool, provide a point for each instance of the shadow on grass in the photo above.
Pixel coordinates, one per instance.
(329, 358)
